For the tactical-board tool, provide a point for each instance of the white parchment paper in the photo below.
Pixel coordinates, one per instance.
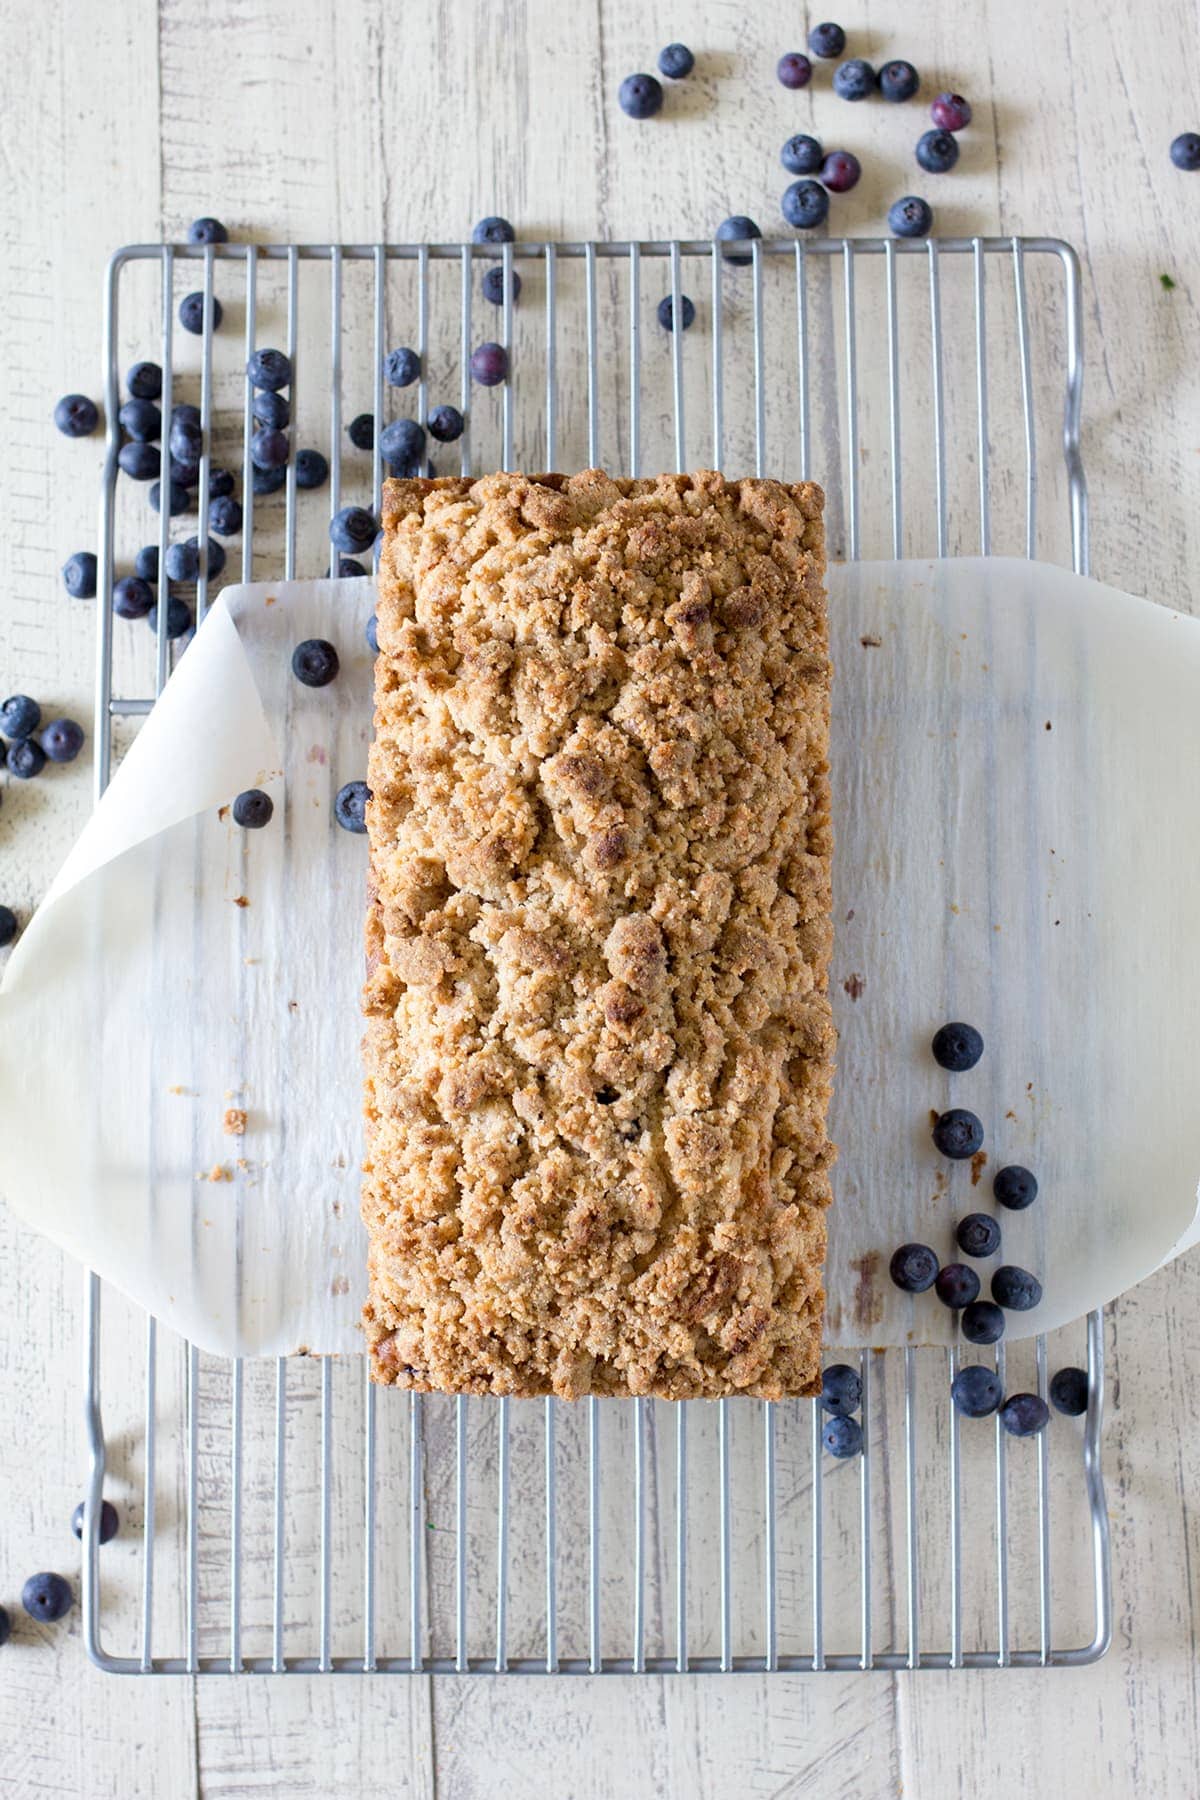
(1015, 778)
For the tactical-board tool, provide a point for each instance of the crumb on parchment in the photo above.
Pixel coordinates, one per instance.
(234, 1122)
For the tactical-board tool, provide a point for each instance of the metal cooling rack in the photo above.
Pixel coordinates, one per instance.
(288, 1516)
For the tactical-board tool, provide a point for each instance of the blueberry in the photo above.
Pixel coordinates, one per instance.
(493, 286)
(978, 1234)
(177, 499)
(350, 806)
(737, 228)
(354, 528)
(269, 369)
(267, 481)
(1185, 150)
(269, 449)
(47, 1597)
(914, 1268)
(898, 80)
(191, 314)
(957, 1285)
(1069, 1391)
(312, 469)
(347, 567)
(403, 441)
(493, 230)
(272, 409)
(840, 171)
(8, 926)
(141, 462)
(144, 381)
(841, 1389)
(445, 424)
(253, 809)
(216, 555)
(109, 1522)
(976, 1391)
(179, 617)
(1016, 1289)
(25, 759)
(186, 442)
(145, 563)
(842, 1436)
(1015, 1187)
(361, 431)
(666, 312)
(132, 597)
(794, 69)
(640, 96)
(207, 231)
(140, 419)
(185, 475)
(1024, 1415)
(401, 367)
(802, 155)
(950, 112)
(489, 364)
(982, 1323)
(827, 41)
(805, 205)
(76, 416)
(937, 151)
(676, 62)
(183, 561)
(315, 662)
(220, 483)
(79, 575)
(910, 217)
(19, 716)
(183, 409)
(225, 515)
(853, 80)
(958, 1134)
(62, 740)
(372, 635)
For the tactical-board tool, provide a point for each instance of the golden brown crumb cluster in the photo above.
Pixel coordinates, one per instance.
(598, 1045)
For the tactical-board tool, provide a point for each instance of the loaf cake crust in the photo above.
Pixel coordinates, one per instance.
(598, 1046)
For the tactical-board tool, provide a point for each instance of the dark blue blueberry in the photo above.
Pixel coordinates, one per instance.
(47, 1597)
(937, 151)
(186, 442)
(841, 1389)
(132, 597)
(737, 228)
(978, 1234)
(489, 364)
(982, 1323)
(312, 469)
(898, 80)
(640, 96)
(145, 563)
(840, 171)
(350, 806)
(144, 381)
(272, 409)
(76, 415)
(445, 424)
(216, 555)
(179, 617)
(220, 483)
(253, 809)
(802, 155)
(842, 1436)
(183, 561)
(976, 1391)
(185, 475)
(315, 662)
(403, 441)
(8, 926)
(225, 515)
(914, 1268)
(666, 312)
(958, 1134)
(361, 431)
(79, 575)
(794, 69)
(676, 62)
(950, 112)
(910, 217)
(25, 759)
(354, 528)
(19, 716)
(109, 1522)
(62, 740)
(493, 230)
(957, 1047)
(1069, 1391)
(142, 420)
(956, 1285)
(267, 481)
(1185, 150)
(191, 314)
(1016, 1289)
(269, 369)
(827, 41)
(401, 367)
(141, 462)
(348, 567)
(854, 80)
(184, 409)
(373, 635)
(178, 501)
(493, 286)
(805, 205)
(269, 449)
(207, 231)
(1024, 1415)
(1015, 1187)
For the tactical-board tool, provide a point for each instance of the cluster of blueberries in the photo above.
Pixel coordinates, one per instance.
(26, 746)
(47, 1597)
(315, 663)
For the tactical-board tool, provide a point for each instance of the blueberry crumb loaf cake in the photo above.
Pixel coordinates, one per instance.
(598, 1044)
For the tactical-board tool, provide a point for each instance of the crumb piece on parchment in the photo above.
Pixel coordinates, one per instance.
(234, 1122)
(340, 1284)
(240, 900)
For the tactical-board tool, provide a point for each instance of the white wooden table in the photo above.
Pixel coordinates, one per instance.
(123, 123)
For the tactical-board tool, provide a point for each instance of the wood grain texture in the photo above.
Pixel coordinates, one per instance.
(301, 121)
